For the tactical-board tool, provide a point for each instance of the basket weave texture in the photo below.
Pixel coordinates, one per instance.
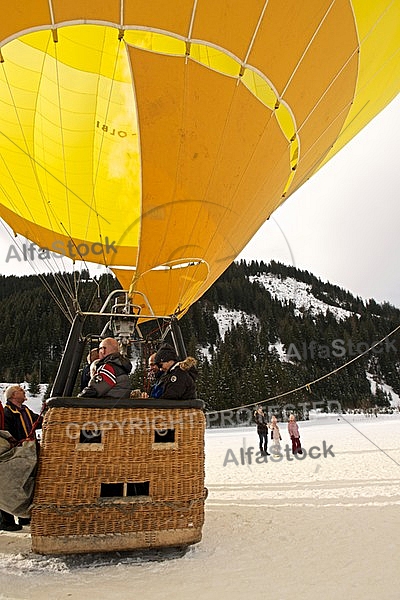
(136, 447)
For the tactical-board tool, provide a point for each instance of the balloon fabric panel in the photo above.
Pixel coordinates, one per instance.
(157, 140)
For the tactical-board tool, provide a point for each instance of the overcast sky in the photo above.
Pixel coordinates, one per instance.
(342, 225)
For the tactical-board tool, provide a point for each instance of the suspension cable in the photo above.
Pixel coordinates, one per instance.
(310, 383)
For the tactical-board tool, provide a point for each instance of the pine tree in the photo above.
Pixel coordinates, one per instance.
(34, 387)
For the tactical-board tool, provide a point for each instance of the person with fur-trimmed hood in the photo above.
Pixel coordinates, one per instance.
(178, 379)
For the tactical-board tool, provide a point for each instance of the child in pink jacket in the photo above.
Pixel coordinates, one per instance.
(293, 430)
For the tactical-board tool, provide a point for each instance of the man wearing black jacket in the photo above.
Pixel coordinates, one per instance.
(19, 421)
(178, 379)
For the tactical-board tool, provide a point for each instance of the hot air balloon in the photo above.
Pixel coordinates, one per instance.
(155, 138)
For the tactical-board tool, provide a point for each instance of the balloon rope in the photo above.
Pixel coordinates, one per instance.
(310, 383)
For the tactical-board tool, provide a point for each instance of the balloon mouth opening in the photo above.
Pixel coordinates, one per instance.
(179, 264)
(167, 266)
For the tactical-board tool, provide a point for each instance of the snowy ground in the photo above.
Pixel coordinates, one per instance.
(324, 527)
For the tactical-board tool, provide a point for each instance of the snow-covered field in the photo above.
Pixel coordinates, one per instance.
(324, 527)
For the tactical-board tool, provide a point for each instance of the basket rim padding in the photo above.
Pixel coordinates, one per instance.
(74, 402)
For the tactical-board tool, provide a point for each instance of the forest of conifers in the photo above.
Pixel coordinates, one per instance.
(239, 368)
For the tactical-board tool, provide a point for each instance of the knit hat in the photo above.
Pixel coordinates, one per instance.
(165, 354)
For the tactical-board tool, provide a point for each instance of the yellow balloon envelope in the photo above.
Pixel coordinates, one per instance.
(156, 137)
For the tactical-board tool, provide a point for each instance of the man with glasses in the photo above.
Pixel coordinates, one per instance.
(111, 378)
(19, 421)
(155, 376)
(7, 521)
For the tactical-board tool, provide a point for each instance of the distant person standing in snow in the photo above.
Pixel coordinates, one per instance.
(262, 429)
(293, 430)
(275, 435)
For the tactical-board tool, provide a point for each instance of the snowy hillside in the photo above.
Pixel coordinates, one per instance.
(395, 402)
(299, 293)
(288, 289)
(227, 319)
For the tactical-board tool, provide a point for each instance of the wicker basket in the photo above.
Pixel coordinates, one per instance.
(119, 477)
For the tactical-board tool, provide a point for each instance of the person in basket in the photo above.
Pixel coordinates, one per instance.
(111, 378)
(178, 378)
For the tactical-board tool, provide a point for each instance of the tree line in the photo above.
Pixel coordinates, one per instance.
(278, 350)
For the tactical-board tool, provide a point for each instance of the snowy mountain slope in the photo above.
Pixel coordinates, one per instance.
(301, 296)
(299, 293)
(228, 318)
(283, 290)
(395, 402)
